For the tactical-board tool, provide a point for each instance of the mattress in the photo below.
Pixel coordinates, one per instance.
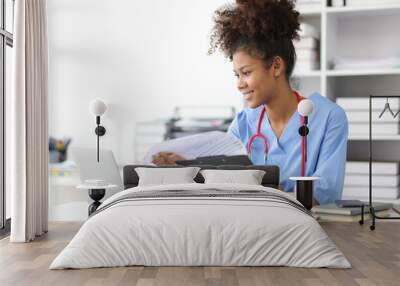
(201, 225)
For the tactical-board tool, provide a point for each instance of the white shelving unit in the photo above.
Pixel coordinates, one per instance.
(348, 32)
(351, 32)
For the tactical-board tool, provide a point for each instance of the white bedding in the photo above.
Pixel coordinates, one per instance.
(200, 231)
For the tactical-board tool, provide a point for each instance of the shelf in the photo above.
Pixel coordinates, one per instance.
(372, 72)
(363, 10)
(374, 137)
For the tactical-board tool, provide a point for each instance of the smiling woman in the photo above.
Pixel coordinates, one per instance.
(257, 36)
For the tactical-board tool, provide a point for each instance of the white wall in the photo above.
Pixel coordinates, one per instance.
(142, 57)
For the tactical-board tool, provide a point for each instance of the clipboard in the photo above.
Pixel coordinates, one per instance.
(219, 160)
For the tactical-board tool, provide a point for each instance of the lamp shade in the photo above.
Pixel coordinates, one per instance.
(305, 107)
(97, 107)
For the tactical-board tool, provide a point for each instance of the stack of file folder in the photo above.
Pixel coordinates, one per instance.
(331, 212)
(385, 180)
(357, 111)
(307, 49)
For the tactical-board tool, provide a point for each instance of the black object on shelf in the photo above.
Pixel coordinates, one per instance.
(372, 210)
(96, 195)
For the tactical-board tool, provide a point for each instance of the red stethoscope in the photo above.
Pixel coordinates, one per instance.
(258, 134)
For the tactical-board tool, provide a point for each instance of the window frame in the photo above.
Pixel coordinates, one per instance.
(6, 39)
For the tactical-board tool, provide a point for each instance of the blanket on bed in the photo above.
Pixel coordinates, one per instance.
(206, 193)
(201, 224)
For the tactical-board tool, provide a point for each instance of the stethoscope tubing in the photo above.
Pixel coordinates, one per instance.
(258, 134)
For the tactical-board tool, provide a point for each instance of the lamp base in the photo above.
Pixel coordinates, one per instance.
(96, 195)
(304, 190)
(304, 193)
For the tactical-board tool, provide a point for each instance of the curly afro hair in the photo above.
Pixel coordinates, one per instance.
(264, 28)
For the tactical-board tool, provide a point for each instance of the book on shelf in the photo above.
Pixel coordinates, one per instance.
(362, 116)
(362, 193)
(351, 218)
(377, 180)
(378, 168)
(362, 103)
(388, 128)
(335, 210)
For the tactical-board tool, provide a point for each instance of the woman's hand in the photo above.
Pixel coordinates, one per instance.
(166, 158)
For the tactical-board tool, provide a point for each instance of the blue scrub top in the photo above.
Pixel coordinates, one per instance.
(326, 146)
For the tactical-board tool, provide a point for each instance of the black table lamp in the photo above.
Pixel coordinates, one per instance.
(97, 107)
(304, 185)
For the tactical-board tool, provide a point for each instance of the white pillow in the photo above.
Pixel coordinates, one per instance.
(163, 176)
(248, 177)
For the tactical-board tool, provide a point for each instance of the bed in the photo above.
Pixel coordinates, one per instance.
(198, 224)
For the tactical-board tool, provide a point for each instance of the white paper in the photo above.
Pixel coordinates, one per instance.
(204, 144)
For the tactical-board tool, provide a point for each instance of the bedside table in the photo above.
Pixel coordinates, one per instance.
(96, 193)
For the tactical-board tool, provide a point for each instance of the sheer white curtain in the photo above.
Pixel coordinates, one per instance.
(28, 123)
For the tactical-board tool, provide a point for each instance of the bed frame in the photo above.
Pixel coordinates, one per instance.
(270, 179)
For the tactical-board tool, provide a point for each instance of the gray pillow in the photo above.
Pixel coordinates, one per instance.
(165, 176)
(248, 177)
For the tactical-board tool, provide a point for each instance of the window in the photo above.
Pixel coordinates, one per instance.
(6, 44)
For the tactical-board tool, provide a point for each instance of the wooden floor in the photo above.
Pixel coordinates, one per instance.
(375, 257)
